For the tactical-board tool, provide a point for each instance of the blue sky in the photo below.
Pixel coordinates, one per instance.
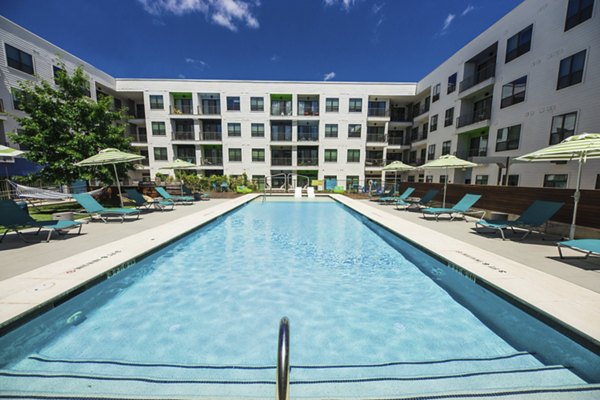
(313, 40)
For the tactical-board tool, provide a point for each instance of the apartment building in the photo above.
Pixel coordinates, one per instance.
(528, 81)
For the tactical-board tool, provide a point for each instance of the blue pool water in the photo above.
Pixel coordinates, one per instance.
(352, 291)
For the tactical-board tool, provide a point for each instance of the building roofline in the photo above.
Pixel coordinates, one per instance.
(263, 81)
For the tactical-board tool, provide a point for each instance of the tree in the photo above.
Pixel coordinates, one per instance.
(63, 126)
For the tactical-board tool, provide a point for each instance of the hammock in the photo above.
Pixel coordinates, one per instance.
(44, 194)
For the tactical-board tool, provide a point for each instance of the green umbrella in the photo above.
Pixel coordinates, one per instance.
(577, 147)
(397, 166)
(9, 152)
(447, 162)
(179, 164)
(111, 156)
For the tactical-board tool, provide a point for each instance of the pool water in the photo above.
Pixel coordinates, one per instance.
(216, 298)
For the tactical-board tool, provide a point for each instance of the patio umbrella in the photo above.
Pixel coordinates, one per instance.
(577, 147)
(179, 164)
(447, 162)
(397, 166)
(9, 152)
(111, 156)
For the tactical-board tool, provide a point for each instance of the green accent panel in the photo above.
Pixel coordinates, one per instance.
(275, 96)
(181, 96)
(476, 132)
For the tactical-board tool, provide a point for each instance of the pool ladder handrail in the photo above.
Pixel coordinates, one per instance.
(283, 361)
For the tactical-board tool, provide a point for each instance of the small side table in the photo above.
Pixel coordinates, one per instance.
(498, 216)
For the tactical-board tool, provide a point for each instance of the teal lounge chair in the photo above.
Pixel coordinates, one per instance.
(381, 193)
(403, 205)
(536, 215)
(96, 209)
(175, 199)
(187, 192)
(587, 246)
(13, 218)
(142, 203)
(395, 199)
(459, 209)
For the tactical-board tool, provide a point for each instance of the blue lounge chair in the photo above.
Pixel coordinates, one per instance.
(175, 199)
(587, 246)
(13, 218)
(459, 209)
(536, 215)
(96, 209)
(395, 199)
(427, 197)
(142, 203)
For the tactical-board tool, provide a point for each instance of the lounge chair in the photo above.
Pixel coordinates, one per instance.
(297, 191)
(422, 203)
(96, 209)
(142, 203)
(381, 193)
(395, 199)
(13, 218)
(187, 192)
(459, 209)
(536, 215)
(587, 246)
(175, 199)
(310, 191)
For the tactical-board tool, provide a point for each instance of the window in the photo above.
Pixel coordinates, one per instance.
(160, 154)
(513, 92)
(233, 103)
(158, 129)
(330, 155)
(433, 125)
(451, 83)
(449, 117)
(156, 102)
(577, 12)
(443, 178)
(481, 179)
(429, 179)
(17, 95)
(508, 138)
(18, 59)
(235, 154)
(513, 180)
(332, 104)
(57, 71)
(353, 156)
(258, 130)
(354, 130)
(555, 180)
(446, 147)
(258, 155)
(331, 130)
(436, 92)
(563, 126)
(234, 129)
(431, 152)
(257, 104)
(352, 182)
(571, 70)
(518, 44)
(355, 105)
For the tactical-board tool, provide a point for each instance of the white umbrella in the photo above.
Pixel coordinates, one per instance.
(179, 164)
(9, 152)
(447, 162)
(397, 166)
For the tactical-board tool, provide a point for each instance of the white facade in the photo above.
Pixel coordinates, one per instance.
(392, 116)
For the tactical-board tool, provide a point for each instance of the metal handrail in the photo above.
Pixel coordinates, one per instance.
(283, 361)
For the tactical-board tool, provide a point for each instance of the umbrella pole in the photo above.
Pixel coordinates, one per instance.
(576, 199)
(445, 185)
(118, 185)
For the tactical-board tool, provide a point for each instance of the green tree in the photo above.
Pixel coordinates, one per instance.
(63, 126)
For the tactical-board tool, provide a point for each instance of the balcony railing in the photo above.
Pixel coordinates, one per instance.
(308, 161)
(374, 162)
(183, 135)
(376, 137)
(398, 141)
(185, 109)
(281, 161)
(188, 159)
(211, 136)
(423, 108)
(469, 119)
(477, 152)
(306, 136)
(212, 161)
(308, 108)
(396, 116)
(480, 76)
(139, 138)
(281, 136)
(209, 110)
(378, 112)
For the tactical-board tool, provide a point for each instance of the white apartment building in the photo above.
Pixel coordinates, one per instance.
(531, 79)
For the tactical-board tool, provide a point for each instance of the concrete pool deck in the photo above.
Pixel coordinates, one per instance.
(34, 275)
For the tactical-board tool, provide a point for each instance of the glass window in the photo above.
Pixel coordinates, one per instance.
(513, 180)
(18, 59)
(508, 138)
(355, 105)
(518, 44)
(233, 103)
(332, 104)
(446, 147)
(571, 70)
(451, 83)
(563, 126)
(160, 154)
(578, 11)
(443, 178)
(330, 155)
(353, 156)
(352, 183)
(428, 178)
(354, 130)
(513, 92)
(235, 154)
(433, 125)
(158, 128)
(234, 129)
(431, 152)
(436, 93)
(257, 104)
(56, 71)
(331, 130)
(449, 117)
(258, 130)
(258, 155)
(481, 179)
(555, 180)
(17, 95)
(156, 102)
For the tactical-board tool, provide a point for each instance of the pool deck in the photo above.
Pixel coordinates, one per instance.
(34, 275)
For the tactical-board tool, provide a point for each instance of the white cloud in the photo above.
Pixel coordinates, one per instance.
(377, 7)
(227, 13)
(198, 63)
(467, 10)
(447, 22)
(275, 58)
(346, 4)
(181, 76)
(329, 76)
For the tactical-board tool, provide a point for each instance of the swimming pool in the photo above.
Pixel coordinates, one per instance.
(370, 316)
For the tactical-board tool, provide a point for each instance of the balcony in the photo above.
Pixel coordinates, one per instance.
(473, 118)
(308, 136)
(211, 160)
(281, 161)
(485, 73)
(397, 141)
(188, 159)
(476, 152)
(307, 161)
(181, 109)
(281, 108)
(183, 135)
(281, 137)
(308, 108)
(209, 110)
(376, 137)
(138, 138)
(374, 162)
(211, 136)
(398, 116)
(378, 112)
(421, 110)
